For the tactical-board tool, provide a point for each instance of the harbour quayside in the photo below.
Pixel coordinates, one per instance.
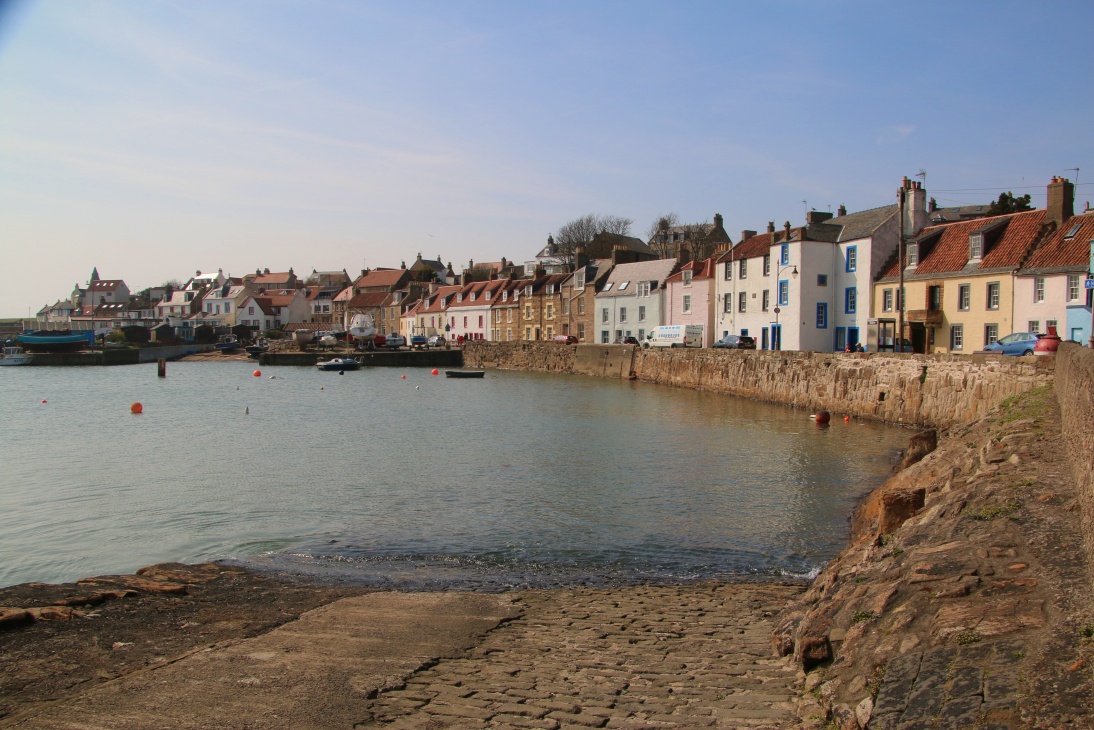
(44, 341)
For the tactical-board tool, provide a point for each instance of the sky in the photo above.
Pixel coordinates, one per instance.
(151, 139)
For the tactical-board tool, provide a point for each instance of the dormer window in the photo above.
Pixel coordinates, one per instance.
(579, 280)
(487, 296)
(623, 285)
(976, 246)
(505, 296)
(687, 278)
(913, 255)
(528, 290)
(472, 296)
(550, 289)
(459, 297)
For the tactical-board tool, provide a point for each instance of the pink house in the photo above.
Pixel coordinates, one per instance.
(690, 297)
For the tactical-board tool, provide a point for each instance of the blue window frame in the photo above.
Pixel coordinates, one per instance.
(852, 258)
(784, 254)
(822, 315)
(784, 292)
(850, 300)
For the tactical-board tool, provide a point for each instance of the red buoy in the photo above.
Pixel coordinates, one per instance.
(404, 377)
(257, 373)
(435, 371)
(823, 416)
(136, 408)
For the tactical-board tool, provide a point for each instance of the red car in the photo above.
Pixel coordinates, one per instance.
(565, 339)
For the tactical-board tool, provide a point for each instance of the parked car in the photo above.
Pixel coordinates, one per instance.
(631, 340)
(1018, 343)
(435, 341)
(395, 341)
(418, 341)
(737, 342)
(565, 339)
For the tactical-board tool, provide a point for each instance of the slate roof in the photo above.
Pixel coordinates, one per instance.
(1060, 251)
(852, 226)
(656, 270)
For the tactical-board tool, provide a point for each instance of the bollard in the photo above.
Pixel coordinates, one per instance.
(162, 364)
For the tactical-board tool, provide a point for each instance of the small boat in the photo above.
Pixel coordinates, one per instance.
(303, 337)
(464, 373)
(14, 355)
(339, 363)
(260, 346)
(227, 343)
(57, 341)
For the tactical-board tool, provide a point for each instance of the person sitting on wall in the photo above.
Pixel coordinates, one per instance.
(859, 347)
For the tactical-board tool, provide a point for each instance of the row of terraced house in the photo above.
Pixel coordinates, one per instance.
(968, 279)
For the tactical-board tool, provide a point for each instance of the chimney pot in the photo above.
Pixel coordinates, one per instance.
(771, 226)
(841, 211)
(745, 235)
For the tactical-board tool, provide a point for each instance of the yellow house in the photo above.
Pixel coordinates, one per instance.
(958, 283)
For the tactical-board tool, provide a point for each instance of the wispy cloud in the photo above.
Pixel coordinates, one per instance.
(896, 133)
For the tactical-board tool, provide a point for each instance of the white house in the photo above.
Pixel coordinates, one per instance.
(632, 301)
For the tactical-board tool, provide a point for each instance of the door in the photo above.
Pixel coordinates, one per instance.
(763, 338)
(776, 337)
(852, 337)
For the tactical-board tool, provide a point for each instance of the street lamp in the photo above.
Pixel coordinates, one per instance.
(778, 332)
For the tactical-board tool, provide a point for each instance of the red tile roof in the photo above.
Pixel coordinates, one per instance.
(699, 270)
(369, 299)
(381, 278)
(1061, 250)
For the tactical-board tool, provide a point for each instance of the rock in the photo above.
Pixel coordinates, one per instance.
(14, 618)
(54, 613)
(812, 649)
(782, 638)
(844, 717)
(919, 446)
(897, 507)
(863, 711)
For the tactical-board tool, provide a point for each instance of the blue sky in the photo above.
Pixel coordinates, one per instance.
(151, 138)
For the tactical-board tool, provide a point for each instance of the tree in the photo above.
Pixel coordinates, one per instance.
(580, 232)
(478, 273)
(666, 234)
(1007, 203)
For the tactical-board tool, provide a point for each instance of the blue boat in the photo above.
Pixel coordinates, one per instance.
(57, 341)
(340, 364)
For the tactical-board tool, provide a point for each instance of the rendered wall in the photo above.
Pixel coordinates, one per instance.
(1075, 392)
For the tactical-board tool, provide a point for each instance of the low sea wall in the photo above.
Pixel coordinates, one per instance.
(1075, 392)
(119, 356)
(380, 358)
(915, 390)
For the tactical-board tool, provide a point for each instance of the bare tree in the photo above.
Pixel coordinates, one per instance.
(658, 235)
(580, 232)
(666, 235)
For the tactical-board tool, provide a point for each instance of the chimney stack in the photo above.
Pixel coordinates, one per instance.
(580, 259)
(745, 235)
(816, 216)
(771, 226)
(1061, 201)
(786, 231)
(717, 220)
(841, 211)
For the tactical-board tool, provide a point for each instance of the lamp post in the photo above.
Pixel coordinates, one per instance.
(778, 332)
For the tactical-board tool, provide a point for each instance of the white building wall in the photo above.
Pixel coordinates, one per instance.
(1052, 308)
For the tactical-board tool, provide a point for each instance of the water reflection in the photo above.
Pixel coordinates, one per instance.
(515, 479)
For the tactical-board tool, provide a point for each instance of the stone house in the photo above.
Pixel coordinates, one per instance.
(505, 311)
(578, 293)
(264, 280)
(541, 306)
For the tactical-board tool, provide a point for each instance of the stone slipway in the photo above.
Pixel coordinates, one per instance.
(316, 672)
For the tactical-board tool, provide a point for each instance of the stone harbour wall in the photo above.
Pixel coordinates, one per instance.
(1075, 393)
(915, 390)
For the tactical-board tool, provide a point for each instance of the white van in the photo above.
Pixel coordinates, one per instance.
(675, 335)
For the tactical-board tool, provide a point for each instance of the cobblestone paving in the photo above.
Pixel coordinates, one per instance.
(951, 687)
(652, 657)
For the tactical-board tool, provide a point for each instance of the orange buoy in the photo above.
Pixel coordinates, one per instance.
(43, 400)
(823, 416)
(404, 377)
(846, 419)
(257, 373)
(136, 408)
(435, 371)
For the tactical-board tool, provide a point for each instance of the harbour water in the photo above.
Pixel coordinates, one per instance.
(518, 479)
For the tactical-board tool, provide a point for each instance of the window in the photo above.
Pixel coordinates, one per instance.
(581, 331)
(228, 308)
(742, 269)
(991, 333)
(850, 300)
(784, 293)
(550, 311)
(1072, 288)
(742, 299)
(565, 306)
(641, 335)
(964, 297)
(822, 279)
(509, 315)
(784, 254)
(687, 278)
(729, 270)
(550, 291)
(604, 337)
(622, 314)
(528, 290)
(604, 315)
(250, 311)
(887, 300)
(767, 264)
(641, 314)
(1073, 230)
(912, 255)
(822, 315)
(934, 298)
(957, 336)
(1034, 325)
(766, 300)
(623, 286)
(852, 258)
(1050, 323)
(727, 304)
(993, 295)
(1038, 289)
(608, 286)
(579, 280)
(465, 322)
(473, 295)
(643, 289)
(527, 333)
(528, 311)
(581, 305)
(687, 304)
(976, 245)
